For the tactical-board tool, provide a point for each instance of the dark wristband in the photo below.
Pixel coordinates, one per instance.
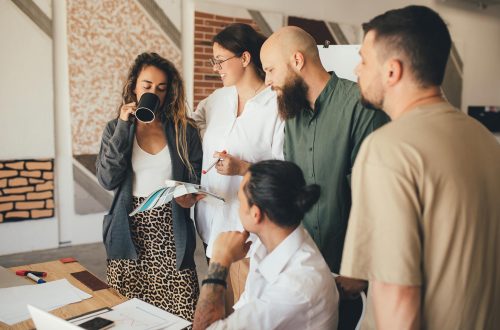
(214, 281)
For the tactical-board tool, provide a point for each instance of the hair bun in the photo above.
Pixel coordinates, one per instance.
(307, 197)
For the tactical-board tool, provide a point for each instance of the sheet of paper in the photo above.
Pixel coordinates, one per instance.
(181, 190)
(211, 197)
(173, 183)
(139, 315)
(47, 296)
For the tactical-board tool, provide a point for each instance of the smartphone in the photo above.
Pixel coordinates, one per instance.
(97, 323)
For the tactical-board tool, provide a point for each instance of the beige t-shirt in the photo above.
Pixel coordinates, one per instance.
(426, 212)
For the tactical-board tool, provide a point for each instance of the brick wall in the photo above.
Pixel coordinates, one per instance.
(26, 189)
(205, 27)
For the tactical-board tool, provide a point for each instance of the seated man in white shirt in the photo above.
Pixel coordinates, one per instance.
(289, 285)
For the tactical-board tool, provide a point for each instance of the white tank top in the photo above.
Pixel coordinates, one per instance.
(150, 171)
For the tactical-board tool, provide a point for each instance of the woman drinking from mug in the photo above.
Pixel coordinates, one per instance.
(151, 255)
(240, 125)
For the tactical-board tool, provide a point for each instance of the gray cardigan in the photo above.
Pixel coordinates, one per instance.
(114, 172)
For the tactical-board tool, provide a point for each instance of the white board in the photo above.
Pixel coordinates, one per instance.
(342, 59)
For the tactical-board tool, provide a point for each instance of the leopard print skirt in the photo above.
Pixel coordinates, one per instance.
(153, 277)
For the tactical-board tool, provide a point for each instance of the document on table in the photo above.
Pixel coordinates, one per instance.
(137, 314)
(47, 296)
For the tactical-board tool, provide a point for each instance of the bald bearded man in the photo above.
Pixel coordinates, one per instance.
(325, 125)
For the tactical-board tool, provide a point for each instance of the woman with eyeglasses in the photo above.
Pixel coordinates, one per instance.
(239, 124)
(150, 255)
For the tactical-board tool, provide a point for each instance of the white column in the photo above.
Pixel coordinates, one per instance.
(187, 45)
(64, 184)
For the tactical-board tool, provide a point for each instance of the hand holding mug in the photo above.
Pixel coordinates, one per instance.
(144, 111)
(126, 110)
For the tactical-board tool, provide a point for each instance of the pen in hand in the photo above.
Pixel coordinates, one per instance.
(213, 164)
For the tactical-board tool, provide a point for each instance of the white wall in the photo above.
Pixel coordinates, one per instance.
(223, 10)
(187, 47)
(45, 6)
(26, 115)
(172, 8)
(477, 36)
(32, 235)
(29, 129)
(26, 87)
(25, 236)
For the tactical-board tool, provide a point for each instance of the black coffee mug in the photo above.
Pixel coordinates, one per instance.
(146, 109)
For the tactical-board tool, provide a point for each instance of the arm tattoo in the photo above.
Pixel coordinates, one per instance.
(216, 270)
(210, 307)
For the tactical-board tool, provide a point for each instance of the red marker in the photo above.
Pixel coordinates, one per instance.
(34, 272)
(213, 164)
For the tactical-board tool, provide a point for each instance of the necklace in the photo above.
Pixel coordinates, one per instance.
(241, 101)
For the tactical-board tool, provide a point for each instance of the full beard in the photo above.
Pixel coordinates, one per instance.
(369, 104)
(293, 97)
(374, 103)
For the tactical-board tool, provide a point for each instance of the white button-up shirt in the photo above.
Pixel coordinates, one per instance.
(289, 288)
(257, 134)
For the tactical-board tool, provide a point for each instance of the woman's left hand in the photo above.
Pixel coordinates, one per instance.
(230, 165)
(186, 201)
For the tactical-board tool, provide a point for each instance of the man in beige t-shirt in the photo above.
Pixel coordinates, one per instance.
(424, 227)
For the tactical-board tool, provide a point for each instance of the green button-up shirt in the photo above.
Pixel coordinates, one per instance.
(324, 142)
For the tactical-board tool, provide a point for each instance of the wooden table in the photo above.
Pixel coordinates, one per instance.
(57, 270)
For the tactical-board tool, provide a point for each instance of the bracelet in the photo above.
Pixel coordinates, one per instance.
(214, 281)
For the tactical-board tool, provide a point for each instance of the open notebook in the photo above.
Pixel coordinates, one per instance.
(173, 189)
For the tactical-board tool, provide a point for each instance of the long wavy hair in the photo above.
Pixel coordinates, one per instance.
(174, 107)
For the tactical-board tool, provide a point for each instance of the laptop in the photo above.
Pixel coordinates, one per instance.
(47, 321)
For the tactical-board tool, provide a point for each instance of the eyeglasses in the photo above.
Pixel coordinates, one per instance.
(217, 63)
